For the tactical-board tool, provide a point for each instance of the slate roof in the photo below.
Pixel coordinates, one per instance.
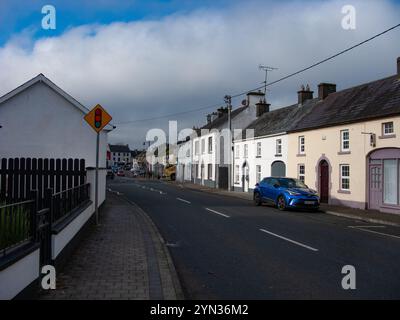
(377, 99)
(281, 120)
(119, 148)
(224, 118)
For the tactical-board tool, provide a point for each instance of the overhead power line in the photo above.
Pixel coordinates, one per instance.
(270, 83)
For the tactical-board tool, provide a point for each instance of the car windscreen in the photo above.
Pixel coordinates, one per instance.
(291, 183)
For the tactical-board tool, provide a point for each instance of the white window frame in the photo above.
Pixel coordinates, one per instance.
(196, 148)
(258, 173)
(246, 151)
(384, 132)
(210, 145)
(343, 140)
(344, 177)
(258, 149)
(237, 174)
(203, 146)
(278, 147)
(209, 171)
(302, 144)
(301, 175)
(237, 151)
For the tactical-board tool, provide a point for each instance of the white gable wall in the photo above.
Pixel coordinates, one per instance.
(40, 123)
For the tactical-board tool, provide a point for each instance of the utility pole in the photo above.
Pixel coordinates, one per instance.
(266, 69)
(228, 101)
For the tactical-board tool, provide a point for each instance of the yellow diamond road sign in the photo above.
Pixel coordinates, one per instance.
(98, 118)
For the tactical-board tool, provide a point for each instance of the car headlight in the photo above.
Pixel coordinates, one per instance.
(293, 193)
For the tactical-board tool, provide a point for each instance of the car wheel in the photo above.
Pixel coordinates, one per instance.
(281, 203)
(257, 199)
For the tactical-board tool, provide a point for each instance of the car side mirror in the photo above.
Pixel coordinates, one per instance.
(257, 184)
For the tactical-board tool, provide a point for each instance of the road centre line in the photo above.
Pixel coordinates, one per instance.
(216, 212)
(289, 240)
(375, 232)
(183, 200)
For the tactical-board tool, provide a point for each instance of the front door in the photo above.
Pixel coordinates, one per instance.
(324, 181)
(375, 186)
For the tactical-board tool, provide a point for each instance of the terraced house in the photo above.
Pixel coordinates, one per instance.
(348, 148)
(210, 164)
(266, 153)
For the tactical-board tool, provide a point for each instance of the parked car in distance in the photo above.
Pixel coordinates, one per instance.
(286, 193)
(121, 173)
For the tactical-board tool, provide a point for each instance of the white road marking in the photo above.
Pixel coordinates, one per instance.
(183, 200)
(219, 213)
(289, 240)
(376, 232)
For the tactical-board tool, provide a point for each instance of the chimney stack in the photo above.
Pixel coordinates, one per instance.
(221, 111)
(325, 89)
(304, 94)
(208, 118)
(398, 67)
(262, 107)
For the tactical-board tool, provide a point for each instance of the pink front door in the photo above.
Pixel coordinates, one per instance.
(375, 186)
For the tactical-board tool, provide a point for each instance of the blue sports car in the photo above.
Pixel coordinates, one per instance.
(285, 193)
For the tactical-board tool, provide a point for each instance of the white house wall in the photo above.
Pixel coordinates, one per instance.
(268, 157)
(40, 123)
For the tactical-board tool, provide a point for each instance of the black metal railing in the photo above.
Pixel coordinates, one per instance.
(17, 225)
(65, 202)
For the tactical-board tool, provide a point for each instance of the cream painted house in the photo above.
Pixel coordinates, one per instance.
(349, 147)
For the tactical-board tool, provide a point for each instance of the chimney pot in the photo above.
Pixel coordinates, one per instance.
(261, 108)
(304, 94)
(325, 89)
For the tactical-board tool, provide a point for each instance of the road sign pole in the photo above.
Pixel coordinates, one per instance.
(96, 183)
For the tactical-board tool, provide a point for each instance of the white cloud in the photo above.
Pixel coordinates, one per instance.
(151, 68)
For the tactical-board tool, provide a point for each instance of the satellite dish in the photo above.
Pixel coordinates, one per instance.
(244, 102)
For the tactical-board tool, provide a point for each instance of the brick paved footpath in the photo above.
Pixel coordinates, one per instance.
(123, 258)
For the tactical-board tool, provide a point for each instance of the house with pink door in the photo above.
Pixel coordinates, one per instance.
(348, 148)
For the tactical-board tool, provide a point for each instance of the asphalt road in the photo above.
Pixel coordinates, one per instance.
(227, 248)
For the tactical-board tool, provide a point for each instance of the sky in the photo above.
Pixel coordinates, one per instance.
(146, 59)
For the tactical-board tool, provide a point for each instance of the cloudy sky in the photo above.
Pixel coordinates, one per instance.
(143, 60)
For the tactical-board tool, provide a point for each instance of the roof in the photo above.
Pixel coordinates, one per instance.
(281, 120)
(119, 148)
(40, 78)
(218, 122)
(377, 99)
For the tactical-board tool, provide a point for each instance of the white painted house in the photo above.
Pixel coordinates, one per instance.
(184, 161)
(40, 120)
(210, 159)
(266, 154)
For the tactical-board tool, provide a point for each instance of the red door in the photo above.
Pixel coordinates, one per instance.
(324, 181)
(375, 186)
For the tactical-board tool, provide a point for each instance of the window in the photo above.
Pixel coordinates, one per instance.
(390, 173)
(246, 150)
(387, 128)
(237, 174)
(237, 151)
(344, 140)
(258, 173)
(258, 149)
(196, 147)
(210, 145)
(279, 146)
(209, 171)
(302, 173)
(203, 146)
(345, 177)
(302, 145)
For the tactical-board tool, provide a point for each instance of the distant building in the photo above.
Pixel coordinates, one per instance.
(120, 154)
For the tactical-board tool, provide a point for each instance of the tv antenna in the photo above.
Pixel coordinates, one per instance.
(266, 69)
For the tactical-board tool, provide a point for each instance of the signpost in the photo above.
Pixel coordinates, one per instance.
(97, 118)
